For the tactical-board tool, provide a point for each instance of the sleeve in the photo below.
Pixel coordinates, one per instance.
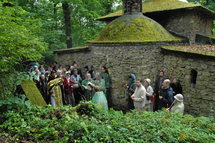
(139, 99)
(170, 96)
(149, 91)
(180, 88)
(84, 83)
(142, 96)
(164, 100)
(102, 86)
(156, 86)
(108, 81)
(176, 110)
(72, 77)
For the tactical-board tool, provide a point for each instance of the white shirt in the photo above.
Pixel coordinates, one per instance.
(139, 97)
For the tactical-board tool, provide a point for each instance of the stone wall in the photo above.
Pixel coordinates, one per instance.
(143, 60)
(199, 100)
(188, 24)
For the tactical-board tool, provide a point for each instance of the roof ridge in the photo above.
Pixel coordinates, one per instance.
(162, 5)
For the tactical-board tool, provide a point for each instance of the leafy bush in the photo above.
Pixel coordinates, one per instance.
(20, 42)
(84, 123)
(19, 38)
(10, 82)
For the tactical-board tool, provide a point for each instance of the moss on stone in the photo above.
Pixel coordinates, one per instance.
(157, 5)
(206, 50)
(210, 36)
(163, 5)
(74, 49)
(32, 93)
(134, 28)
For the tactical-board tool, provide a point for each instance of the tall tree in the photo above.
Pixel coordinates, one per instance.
(20, 43)
(68, 26)
(67, 23)
(20, 39)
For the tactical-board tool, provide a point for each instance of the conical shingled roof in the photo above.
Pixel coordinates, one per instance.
(134, 28)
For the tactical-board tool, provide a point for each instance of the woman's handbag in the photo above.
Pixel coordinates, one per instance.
(152, 98)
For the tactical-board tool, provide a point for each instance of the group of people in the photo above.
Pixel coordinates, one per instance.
(166, 94)
(69, 85)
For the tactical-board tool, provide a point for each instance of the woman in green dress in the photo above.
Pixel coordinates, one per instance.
(99, 97)
(108, 85)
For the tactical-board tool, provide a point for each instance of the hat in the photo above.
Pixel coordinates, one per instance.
(132, 76)
(148, 80)
(179, 97)
(67, 72)
(167, 80)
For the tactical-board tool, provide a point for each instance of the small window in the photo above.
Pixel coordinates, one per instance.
(193, 74)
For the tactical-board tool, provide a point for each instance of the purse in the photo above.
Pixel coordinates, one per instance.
(152, 98)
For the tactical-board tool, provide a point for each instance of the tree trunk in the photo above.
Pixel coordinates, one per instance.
(55, 14)
(68, 27)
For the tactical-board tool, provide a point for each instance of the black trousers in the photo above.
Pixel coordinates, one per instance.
(109, 97)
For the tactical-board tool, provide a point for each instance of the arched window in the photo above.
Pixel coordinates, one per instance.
(193, 74)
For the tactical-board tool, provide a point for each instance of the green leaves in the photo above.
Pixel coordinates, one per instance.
(19, 38)
(20, 42)
(45, 17)
(39, 124)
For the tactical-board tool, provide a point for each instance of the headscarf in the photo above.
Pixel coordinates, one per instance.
(133, 77)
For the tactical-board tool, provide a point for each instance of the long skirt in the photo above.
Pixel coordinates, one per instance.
(71, 99)
(56, 100)
(109, 97)
(100, 100)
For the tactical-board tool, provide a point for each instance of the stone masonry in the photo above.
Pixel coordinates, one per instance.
(188, 24)
(145, 61)
(199, 100)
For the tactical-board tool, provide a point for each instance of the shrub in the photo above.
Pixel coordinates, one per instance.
(26, 122)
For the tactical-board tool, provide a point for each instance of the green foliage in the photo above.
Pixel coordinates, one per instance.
(19, 38)
(84, 25)
(85, 123)
(20, 42)
(9, 83)
(26, 27)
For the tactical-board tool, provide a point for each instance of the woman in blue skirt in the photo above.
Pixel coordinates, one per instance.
(99, 97)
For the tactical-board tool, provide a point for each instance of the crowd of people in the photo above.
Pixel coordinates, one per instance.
(69, 85)
(166, 94)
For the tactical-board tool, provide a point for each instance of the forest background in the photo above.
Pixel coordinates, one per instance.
(30, 30)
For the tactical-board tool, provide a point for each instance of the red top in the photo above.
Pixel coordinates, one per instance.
(67, 85)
